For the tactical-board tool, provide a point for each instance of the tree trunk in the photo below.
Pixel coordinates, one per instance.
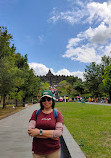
(81, 91)
(23, 102)
(16, 102)
(1, 99)
(4, 104)
(109, 97)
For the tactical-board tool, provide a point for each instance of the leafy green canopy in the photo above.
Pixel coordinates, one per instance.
(16, 79)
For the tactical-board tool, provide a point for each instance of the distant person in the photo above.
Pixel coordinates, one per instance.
(96, 99)
(46, 127)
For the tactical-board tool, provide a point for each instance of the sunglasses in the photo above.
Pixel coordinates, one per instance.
(46, 98)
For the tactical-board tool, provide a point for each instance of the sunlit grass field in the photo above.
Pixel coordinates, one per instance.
(90, 125)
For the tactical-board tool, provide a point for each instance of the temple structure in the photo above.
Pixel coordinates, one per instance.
(53, 79)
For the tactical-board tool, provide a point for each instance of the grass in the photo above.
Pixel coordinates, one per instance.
(9, 110)
(90, 125)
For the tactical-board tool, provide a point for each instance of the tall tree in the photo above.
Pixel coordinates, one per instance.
(7, 70)
(93, 78)
(21, 61)
(79, 86)
(17, 92)
(5, 40)
(65, 88)
(30, 86)
(105, 61)
(22, 67)
(7, 74)
(72, 80)
(107, 80)
(40, 87)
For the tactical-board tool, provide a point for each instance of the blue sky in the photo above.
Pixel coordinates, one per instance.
(63, 35)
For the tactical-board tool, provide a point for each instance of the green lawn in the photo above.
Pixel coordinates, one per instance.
(90, 125)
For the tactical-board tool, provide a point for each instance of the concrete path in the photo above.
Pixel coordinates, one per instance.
(15, 142)
(106, 104)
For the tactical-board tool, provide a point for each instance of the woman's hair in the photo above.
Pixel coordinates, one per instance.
(42, 107)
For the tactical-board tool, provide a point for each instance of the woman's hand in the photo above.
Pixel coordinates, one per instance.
(33, 132)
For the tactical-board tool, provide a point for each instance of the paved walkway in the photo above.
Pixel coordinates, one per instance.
(15, 142)
(106, 104)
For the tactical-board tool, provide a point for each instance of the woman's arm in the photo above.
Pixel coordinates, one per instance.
(32, 124)
(41, 136)
(48, 133)
(58, 131)
(32, 131)
(36, 132)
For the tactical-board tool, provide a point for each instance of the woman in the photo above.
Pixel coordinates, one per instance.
(46, 129)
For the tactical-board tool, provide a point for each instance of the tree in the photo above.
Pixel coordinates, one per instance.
(5, 40)
(106, 61)
(17, 92)
(21, 65)
(72, 80)
(79, 86)
(64, 88)
(107, 80)
(7, 69)
(21, 61)
(15, 76)
(41, 86)
(7, 74)
(93, 78)
(30, 86)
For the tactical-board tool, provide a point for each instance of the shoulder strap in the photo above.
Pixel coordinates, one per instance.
(55, 113)
(37, 113)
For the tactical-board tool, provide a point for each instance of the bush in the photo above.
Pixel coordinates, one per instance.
(34, 101)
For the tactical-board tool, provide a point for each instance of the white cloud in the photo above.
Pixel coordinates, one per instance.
(41, 70)
(101, 34)
(72, 16)
(73, 42)
(96, 45)
(83, 54)
(79, 3)
(98, 35)
(78, 74)
(64, 72)
(99, 12)
(91, 11)
(93, 43)
(108, 50)
(89, 45)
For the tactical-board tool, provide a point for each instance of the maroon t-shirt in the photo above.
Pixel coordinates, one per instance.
(44, 121)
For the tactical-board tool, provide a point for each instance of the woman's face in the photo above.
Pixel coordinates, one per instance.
(47, 102)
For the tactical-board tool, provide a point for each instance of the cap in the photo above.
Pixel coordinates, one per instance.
(47, 93)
